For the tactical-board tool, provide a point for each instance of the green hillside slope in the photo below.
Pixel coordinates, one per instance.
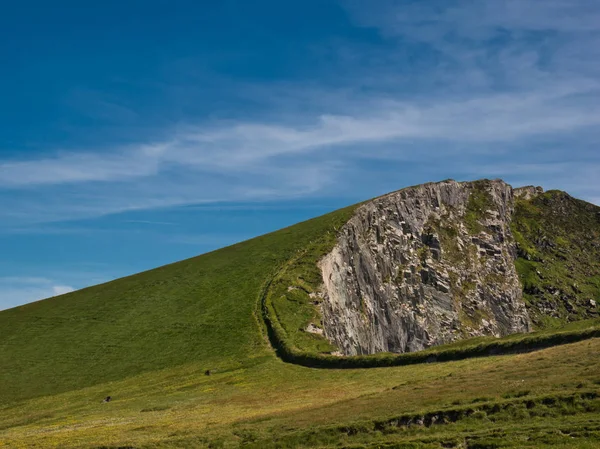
(148, 340)
(201, 309)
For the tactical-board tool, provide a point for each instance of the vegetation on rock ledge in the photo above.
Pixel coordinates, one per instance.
(558, 249)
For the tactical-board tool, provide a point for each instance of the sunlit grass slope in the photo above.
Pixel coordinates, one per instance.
(542, 399)
(201, 309)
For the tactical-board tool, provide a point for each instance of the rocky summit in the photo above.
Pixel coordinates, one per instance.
(433, 264)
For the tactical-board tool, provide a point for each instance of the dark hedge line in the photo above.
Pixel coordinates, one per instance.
(291, 354)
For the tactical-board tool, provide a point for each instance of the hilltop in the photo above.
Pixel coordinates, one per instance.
(436, 264)
(148, 340)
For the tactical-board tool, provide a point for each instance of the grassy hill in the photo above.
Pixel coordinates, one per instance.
(202, 309)
(148, 339)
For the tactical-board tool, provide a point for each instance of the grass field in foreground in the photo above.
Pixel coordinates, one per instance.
(274, 404)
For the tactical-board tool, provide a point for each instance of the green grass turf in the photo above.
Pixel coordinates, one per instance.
(274, 404)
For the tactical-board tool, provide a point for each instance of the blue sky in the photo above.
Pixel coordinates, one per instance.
(139, 133)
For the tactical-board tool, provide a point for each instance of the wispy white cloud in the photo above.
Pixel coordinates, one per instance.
(489, 44)
(476, 19)
(150, 222)
(259, 161)
(19, 290)
(76, 167)
(61, 290)
(246, 146)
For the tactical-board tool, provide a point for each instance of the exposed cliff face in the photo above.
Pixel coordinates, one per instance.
(425, 266)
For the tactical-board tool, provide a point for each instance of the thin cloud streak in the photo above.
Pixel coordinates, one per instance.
(476, 19)
(243, 146)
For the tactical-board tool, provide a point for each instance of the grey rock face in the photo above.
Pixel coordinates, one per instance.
(527, 192)
(424, 266)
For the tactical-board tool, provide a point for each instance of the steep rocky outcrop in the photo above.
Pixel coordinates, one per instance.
(424, 266)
